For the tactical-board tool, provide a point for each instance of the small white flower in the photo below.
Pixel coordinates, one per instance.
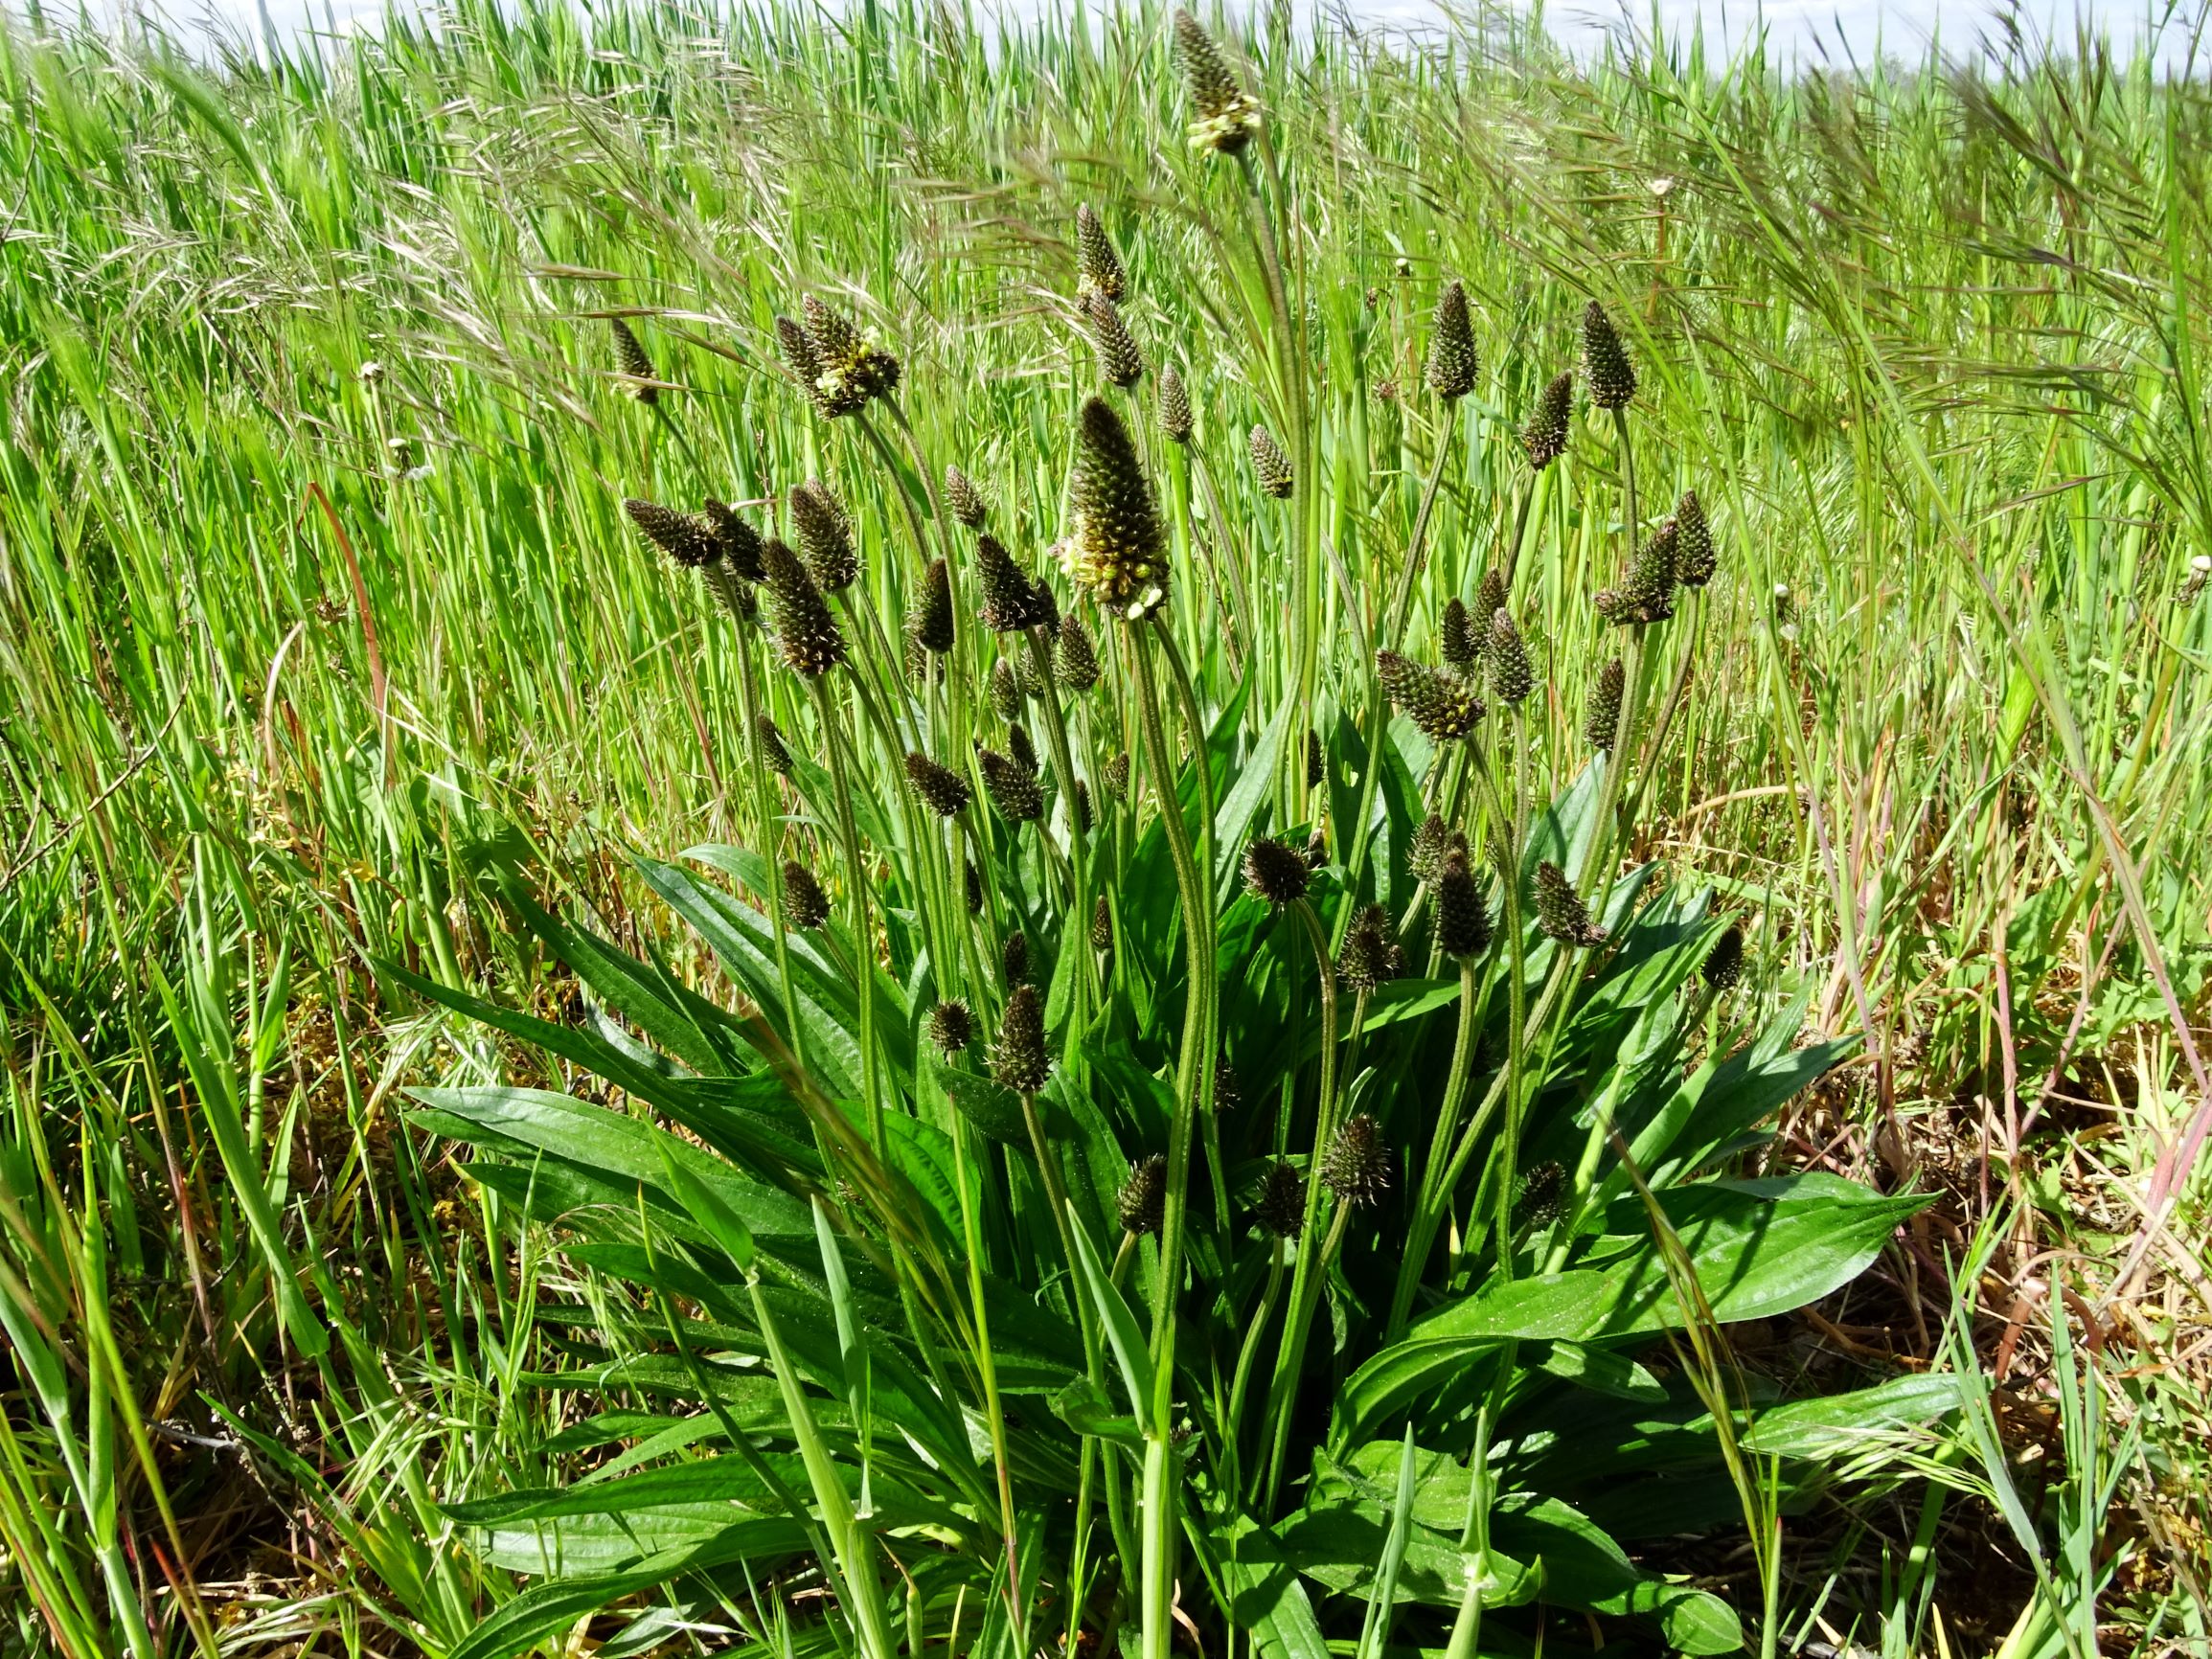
(369, 373)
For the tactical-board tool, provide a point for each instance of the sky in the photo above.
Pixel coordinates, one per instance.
(1814, 31)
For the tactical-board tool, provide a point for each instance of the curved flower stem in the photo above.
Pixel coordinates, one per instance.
(1516, 996)
(1305, 1278)
(1078, 843)
(858, 884)
(1250, 1350)
(1472, 1009)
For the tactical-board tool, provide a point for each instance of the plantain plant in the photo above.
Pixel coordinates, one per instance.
(1207, 1116)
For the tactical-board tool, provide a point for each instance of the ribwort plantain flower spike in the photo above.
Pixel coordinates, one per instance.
(1460, 641)
(1369, 957)
(939, 788)
(825, 536)
(774, 751)
(1274, 872)
(1432, 842)
(1559, 910)
(1120, 363)
(1444, 709)
(805, 906)
(687, 540)
(1098, 268)
(1013, 790)
(1019, 1060)
(1021, 750)
(1281, 1208)
(962, 499)
(1545, 439)
(1075, 658)
(1357, 1166)
(1602, 716)
(933, 628)
(1316, 759)
(1725, 962)
(1462, 919)
(1452, 364)
(951, 1026)
(1174, 407)
(634, 368)
(1010, 600)
(1013, 957)
(1117, 776)
(851, 368)
(1005, 691)
(1141, 1206)
(1605, 365)
(806, 632)
(1118, 549)
(1695, 558)
(739, 542)
(1226, 116)
(1101, 925)
(1648, 595)
(1226, 1097)
(1270, 467)
(804, 362)
(1511, 678)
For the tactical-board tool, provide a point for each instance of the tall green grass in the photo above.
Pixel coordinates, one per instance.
(1927, 341)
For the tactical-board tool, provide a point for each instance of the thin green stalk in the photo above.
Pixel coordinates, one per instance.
(858, 886)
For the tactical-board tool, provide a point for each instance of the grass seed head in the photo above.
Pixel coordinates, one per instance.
(825, 536)
(1174, 407)
(634, 365)
(1559, 910)
(1462, 919)
(1602, 715)
(1444, 709)
(1120, 363)
(687, 540)
(1017, 1059)
(1142, 1204)
(806, 632)
(1605, 365)
(1511, 677)
(939, 788)
(1013, 789)
(805, 906)
(1099, 268)
(1545, 439)
(1118, 549)
(1226, 118)
(1695, 558)
(1274, 872)
(1725, 962)
(1075, 658)
(951, 1026)
(1281, 1209)
(962, 499)
(1452, 364)
(1270, 467)
(739, 542)
(1357, 1165)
